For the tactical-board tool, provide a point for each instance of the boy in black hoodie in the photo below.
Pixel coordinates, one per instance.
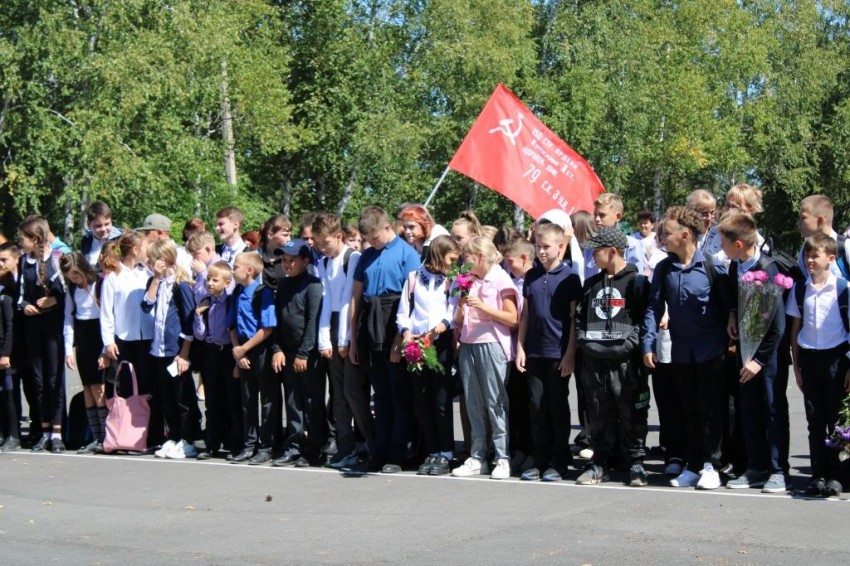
(298, 304)
(608, 323)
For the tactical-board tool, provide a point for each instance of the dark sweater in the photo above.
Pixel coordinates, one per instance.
(297, 305)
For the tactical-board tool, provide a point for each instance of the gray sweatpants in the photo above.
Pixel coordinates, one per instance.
(483, 371)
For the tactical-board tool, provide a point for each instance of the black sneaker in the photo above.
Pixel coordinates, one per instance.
(11, 445)
(390, 468)
(42, 445)
(440, 466)
(243, 456)
(637, 475)
(88, 448)
(832, 489)
(816, 488)
(425, 468)
(592, 474)
(260, 458)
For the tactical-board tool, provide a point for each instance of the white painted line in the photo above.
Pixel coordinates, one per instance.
(721, 492)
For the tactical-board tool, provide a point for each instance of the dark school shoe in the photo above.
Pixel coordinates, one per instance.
(57, 446)
(243, 456)
(425, 468)
(832, 488)
(260, 458)
(815, 489)
(286, 460)
(42, 445)
(440, 466)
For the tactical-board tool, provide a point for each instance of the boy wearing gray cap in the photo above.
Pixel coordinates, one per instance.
(608, 321)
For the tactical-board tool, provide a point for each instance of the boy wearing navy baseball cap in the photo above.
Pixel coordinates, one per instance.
(295, 356)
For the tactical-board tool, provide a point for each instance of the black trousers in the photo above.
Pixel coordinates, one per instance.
(434, 393)
(393, 406)
(671, 420)
(823, 374)
(261, 424)
(701, 390)
(306, 418)
(47, 354)
(179, 402)
(223, 398)
(348, 399)
(520, 422)
(617, 401)
(549, 412)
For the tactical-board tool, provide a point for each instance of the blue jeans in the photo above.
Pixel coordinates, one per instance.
(483, 370)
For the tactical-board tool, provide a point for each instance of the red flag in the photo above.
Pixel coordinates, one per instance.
(510, 151)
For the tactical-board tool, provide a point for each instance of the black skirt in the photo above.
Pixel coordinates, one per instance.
(88, 346)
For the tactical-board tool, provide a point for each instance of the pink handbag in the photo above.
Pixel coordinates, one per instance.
(127, 421)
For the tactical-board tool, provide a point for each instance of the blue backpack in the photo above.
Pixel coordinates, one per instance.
(843, 300)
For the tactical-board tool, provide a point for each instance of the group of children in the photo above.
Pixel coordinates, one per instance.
(315, 329)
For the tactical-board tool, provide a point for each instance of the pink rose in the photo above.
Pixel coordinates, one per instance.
(748, 277)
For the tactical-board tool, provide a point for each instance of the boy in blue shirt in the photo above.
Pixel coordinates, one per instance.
(546, 352)
(252, 320)
(378, 282)
(694, 290)
(764, 405)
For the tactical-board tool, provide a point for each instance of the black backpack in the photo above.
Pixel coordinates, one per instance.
(786, 264)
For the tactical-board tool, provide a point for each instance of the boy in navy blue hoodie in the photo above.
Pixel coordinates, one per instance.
(764, 405)
(297, 306)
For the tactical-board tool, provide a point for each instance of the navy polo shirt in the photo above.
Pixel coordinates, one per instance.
(698, 316)
(242, 316)
(547, 298)
(384, 271)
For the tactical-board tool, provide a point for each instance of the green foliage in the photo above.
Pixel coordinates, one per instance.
(341, 103)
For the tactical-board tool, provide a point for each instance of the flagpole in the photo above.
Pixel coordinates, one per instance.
(437, 186)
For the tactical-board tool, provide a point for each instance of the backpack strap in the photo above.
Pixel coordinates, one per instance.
(843, 302)
(841, 258)
(257, 301)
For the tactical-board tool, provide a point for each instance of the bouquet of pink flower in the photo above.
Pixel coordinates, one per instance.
(758, 301)
(839, 438)
(463, 279)
(421, 354)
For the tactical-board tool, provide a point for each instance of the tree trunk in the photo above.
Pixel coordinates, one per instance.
(473, 196)
(656, 193)
(519, 218)
(227, 131)
(348, 193)
(286, 200)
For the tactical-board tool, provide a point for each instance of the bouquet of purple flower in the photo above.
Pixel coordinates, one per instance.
(839, 438)
(758, 301)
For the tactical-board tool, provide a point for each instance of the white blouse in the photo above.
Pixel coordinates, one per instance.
(121, 313)
(432, 302)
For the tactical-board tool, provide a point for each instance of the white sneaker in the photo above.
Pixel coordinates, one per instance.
(686, 479)
(708, 478)
(164, 449)
(181, 451)
(502, 471)
(471, 467)
(586, 453)
(673, 469)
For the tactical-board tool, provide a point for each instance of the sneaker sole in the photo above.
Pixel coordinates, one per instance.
(638, 483)
(774, 490)
(593, 481)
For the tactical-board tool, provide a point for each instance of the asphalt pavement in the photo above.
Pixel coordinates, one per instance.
(71, 509)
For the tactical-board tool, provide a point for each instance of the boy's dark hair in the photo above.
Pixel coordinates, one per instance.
(646, 215)
(307, 221)
(11, 246)
(235, 214)
(737, 225)
(686, 218)
(504, 236)
(818, 242)
(98, 209)
(350, 230)
(273, 225)
(326, 224)
(372, 219)
(519, 247)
